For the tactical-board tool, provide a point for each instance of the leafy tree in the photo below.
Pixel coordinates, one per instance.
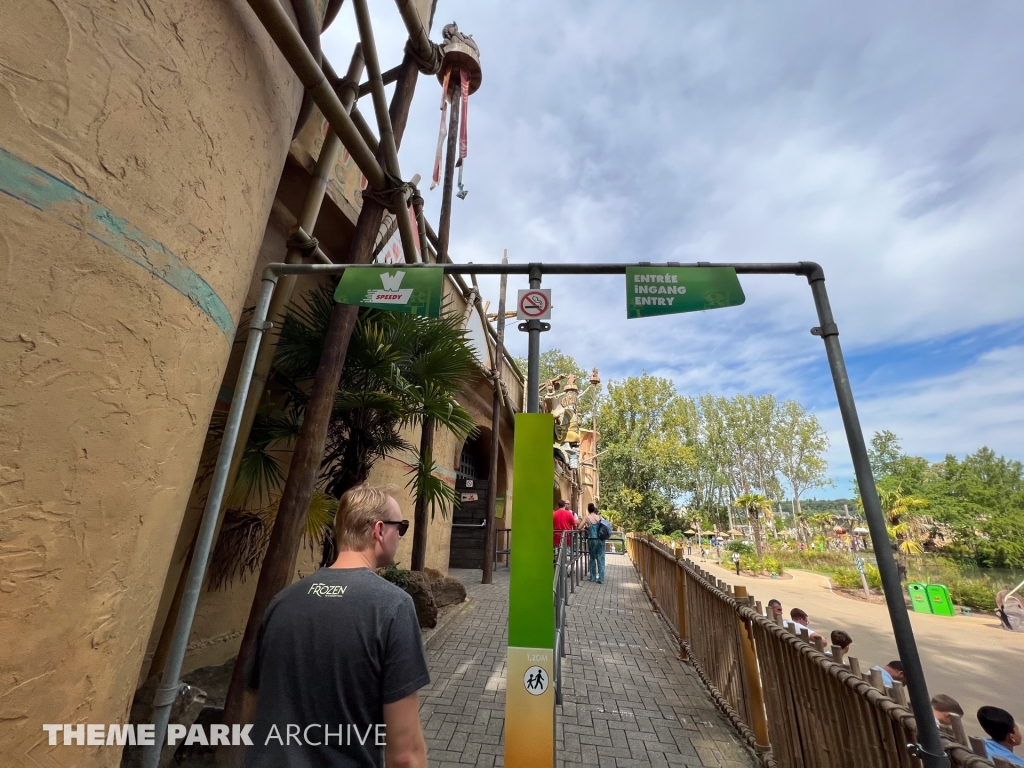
(892, 468)
(906, 526)
(976, 504)
(885, 454)
(801, 445)
(981, 499)
(646, 462)
(758, 509)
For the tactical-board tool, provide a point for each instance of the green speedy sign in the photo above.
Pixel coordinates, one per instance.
(652, 291)
(416, 291)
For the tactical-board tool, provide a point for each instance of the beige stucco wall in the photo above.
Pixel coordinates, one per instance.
(140, 145)
(221, 615)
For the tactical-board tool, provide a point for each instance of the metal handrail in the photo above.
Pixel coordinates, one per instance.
(498, 532)
(570, 563)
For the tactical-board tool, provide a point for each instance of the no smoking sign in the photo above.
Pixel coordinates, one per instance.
(534, 304)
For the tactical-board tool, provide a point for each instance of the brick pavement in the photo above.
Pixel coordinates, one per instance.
(628, 702)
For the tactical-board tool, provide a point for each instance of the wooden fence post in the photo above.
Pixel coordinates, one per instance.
(681, 597)
(753, 677)
(655, 576)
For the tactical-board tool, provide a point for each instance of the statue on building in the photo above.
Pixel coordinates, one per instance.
(562, 402)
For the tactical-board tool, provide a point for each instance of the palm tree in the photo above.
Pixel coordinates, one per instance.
(399, 371)
(905, 526)
(758, 507)
(823, 521)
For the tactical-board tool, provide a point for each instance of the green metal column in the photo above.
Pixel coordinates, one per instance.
(530, 695)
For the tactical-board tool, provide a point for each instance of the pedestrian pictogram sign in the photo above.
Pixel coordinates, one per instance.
(536, 680)
(534, 304)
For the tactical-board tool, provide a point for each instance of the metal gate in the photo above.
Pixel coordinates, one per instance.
(469, 518)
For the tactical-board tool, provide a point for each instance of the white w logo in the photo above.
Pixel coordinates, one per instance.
(392, 283)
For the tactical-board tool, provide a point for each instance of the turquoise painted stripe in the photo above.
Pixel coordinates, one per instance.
(77, 210)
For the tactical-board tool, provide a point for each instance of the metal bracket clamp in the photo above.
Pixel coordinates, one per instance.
(540, 326)
(917, 751)
(829, 329)
(169, 694)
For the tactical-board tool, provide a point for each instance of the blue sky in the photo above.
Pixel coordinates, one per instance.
(882, 140)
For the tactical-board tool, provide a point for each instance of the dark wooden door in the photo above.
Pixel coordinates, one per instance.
(468, 521)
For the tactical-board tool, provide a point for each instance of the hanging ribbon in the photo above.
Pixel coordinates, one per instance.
(463, 132)
(442, 132)
(464, 122)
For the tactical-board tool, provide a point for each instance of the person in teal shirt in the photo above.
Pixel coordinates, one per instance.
(1004, 734)
(591, 522)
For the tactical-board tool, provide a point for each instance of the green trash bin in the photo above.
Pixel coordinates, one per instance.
(940, 601)
(919, 598)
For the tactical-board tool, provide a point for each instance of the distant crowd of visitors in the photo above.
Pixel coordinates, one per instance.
(1003, 732)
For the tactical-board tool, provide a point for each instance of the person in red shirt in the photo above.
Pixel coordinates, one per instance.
(564, 520)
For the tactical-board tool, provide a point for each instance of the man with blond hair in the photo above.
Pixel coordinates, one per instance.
(338, 658)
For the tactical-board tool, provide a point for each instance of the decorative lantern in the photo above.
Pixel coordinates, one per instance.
(460, 51)
(460, 58)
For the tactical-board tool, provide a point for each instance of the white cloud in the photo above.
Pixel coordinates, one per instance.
(882, 140)
(983, 404)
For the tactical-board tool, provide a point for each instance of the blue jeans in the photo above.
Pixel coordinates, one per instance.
(596, 559)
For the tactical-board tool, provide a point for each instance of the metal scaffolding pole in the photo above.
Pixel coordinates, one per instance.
(929, 747)
(288, 40)
(309, 445)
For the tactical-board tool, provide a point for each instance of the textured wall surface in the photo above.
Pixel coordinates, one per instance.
(140, 148)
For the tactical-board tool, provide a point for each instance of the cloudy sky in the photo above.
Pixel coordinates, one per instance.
(883, 140)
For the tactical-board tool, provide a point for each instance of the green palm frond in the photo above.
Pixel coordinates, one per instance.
(302, 336)
(320, 517)
(399, 370)
(437, 494)
(260, 474)
(245, 534)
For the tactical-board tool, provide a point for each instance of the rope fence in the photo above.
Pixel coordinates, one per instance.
(795, 706)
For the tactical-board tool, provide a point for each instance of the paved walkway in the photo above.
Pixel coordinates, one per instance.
(628, 702)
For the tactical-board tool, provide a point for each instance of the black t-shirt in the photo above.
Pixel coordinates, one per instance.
(332, 650)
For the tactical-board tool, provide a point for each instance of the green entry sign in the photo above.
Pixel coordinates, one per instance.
(652, 291)
(415, 291)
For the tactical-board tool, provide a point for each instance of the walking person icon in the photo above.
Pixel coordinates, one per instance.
(536, 680)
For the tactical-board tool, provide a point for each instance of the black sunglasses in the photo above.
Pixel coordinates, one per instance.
(403, 525)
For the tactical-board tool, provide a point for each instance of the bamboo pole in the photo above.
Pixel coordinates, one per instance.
(419, 531)
(290, 43)
(444, 223)
(400, 197)
(492, 475)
